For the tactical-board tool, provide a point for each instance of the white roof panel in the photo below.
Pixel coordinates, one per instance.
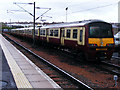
(70, 24)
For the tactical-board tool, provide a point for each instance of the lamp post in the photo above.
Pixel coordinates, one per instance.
(66, 13)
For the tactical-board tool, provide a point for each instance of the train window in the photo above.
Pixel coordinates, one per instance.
(81, 33)
(100, 30)
(36, 32)
(56, 33)
(30, 31)
(25, 31)
(74, 33)
(43, 32)
(51, 32)
(94, 31)
(40, 32)
(68, 33)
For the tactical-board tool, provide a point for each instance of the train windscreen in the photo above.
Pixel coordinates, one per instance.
(100, 30)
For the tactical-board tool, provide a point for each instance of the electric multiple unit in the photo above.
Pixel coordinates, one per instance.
(92, 39)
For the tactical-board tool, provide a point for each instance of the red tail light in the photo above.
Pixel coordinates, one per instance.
(109, 44)
(93, 45)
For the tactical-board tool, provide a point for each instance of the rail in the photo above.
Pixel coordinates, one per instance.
(112, 65)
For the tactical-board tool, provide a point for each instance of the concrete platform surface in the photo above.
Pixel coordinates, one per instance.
(25, 73)
(6, 77)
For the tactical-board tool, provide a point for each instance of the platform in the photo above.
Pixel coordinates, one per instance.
(25, 73)
(6, 77)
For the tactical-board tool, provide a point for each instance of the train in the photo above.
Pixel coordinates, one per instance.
(117, 42)
(92, 40)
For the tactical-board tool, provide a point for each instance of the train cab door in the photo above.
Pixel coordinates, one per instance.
(81, 36)
(62, 36)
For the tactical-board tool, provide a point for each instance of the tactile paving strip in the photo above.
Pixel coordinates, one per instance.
(19, 77)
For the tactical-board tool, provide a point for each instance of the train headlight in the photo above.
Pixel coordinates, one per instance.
(109, 44)
(95, 45)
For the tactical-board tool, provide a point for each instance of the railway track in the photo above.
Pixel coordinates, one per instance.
(116, 57)
(112, 68)
(64, 79)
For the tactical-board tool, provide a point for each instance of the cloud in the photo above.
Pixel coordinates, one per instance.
(76, 10)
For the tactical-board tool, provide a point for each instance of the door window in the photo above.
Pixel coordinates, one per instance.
(74, 33)
(81, 34)
(51, 32)
(68, 33)
(56, 33)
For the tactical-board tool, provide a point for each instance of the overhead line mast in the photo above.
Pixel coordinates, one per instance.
(33, 31)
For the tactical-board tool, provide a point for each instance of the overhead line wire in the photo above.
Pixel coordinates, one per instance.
(94, 8)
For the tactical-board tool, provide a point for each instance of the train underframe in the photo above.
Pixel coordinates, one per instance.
(100, 55)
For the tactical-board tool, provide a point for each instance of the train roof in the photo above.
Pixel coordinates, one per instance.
(66, 24)
(24, 28)
(71, 24)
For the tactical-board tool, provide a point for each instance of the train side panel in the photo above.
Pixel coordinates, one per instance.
(54, 36)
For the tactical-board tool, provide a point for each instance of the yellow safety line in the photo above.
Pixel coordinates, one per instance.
(19, 77)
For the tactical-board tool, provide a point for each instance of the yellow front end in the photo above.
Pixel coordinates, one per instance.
(101, 48)
(101, 42)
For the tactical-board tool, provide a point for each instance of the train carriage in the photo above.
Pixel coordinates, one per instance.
(100, 40)
(93, 38)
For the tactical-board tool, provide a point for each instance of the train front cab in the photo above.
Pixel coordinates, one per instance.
(100, 43)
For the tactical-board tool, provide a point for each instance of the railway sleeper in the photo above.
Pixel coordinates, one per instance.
(54, 76)
(59, 80)
(63, 83)
(69, 86)
(46, 68)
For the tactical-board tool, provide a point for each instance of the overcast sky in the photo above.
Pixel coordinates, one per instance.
(78, 10)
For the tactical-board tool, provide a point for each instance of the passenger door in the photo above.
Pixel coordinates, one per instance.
(81, 36)
(47, 35)
(62, 36)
